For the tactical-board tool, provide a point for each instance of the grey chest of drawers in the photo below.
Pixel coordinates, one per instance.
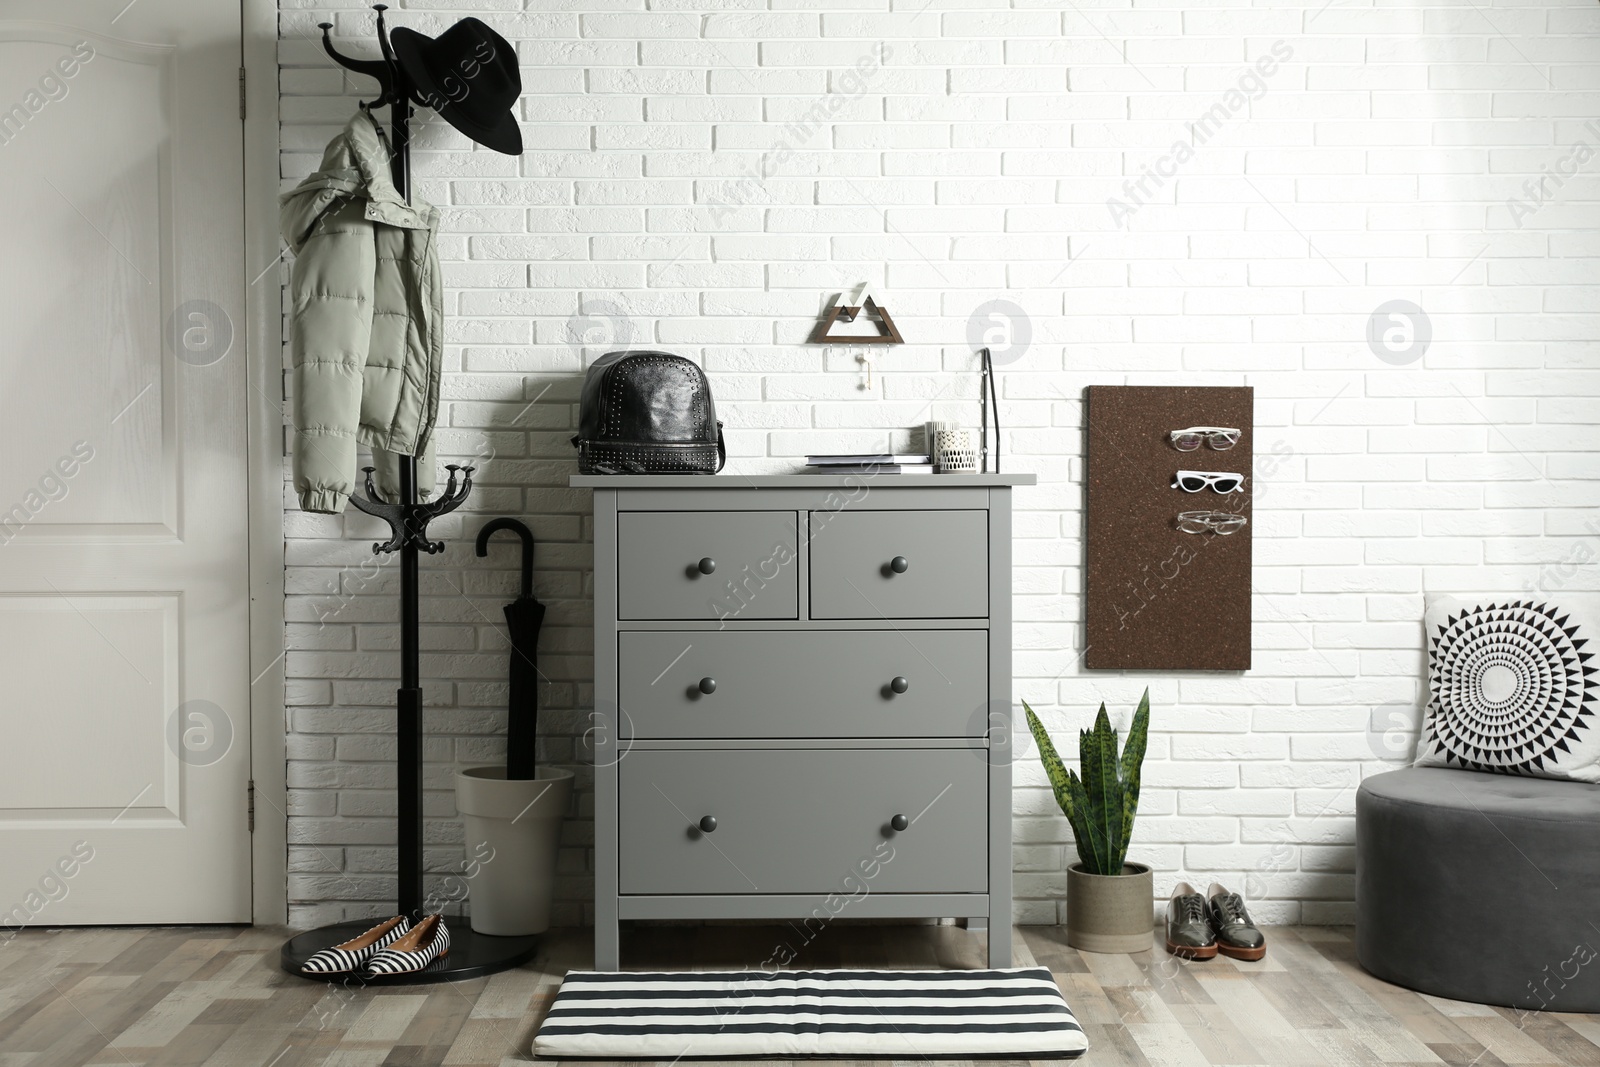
(802, 701)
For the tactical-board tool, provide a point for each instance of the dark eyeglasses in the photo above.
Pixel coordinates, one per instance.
(1217, 522)
(1224, 482)
(1220, 438)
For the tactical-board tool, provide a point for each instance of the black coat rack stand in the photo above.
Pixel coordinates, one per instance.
(472, 955)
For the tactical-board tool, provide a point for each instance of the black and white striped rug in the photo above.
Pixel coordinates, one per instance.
(899, 1014)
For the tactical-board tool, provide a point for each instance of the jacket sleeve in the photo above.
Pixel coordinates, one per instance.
(386, 476)
(331, 293)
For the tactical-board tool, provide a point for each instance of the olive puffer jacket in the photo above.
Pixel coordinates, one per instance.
(367, 309)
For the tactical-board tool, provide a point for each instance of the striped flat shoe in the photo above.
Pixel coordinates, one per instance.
(353, 955)
(429, 940)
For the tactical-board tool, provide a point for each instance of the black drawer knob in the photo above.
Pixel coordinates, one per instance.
(899, 822)
(708, 824)
(708, 686)
(899, 685)
(899, 564)
(706, 565)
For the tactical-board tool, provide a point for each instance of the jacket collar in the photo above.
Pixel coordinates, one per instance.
(356, 167)
(369, 149)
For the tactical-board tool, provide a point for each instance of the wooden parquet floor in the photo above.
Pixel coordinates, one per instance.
(127, 996)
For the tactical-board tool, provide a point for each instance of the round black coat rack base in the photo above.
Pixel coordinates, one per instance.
(472, 955)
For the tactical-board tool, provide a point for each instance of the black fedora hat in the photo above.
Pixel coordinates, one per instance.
(468, 74)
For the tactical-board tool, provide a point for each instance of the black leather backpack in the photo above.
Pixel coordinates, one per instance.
(647, 413)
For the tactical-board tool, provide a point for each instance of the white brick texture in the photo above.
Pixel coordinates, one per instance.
(1168, 193)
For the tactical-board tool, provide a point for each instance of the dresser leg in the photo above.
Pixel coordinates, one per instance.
(607, 944)
(1000, 944)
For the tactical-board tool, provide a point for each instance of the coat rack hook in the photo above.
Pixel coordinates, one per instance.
(383, 34)
(381, 69)
(398, 87)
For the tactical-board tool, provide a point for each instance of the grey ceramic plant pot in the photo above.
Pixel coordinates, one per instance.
(1110, 912)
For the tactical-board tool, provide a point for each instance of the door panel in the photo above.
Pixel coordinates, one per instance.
(88, 169)
(123, 571)
(106, 713)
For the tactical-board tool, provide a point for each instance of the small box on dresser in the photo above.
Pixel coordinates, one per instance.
(797, 680)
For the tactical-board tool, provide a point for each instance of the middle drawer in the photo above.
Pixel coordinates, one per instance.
(795, 683)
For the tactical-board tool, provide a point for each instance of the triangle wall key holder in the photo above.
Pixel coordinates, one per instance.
(888, 333)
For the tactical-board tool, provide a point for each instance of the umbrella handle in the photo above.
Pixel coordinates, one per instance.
(494, 526)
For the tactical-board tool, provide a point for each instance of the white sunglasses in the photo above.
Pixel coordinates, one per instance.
(1223, 482)
(1220, 438)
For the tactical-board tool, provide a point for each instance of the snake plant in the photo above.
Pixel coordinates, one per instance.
(1101, 804)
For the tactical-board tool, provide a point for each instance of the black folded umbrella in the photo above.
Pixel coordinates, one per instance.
(524, 617)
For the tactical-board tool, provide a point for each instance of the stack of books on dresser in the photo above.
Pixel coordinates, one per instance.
(871, 463)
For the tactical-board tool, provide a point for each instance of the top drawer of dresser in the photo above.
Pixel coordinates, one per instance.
(707, 565)
(899, 564)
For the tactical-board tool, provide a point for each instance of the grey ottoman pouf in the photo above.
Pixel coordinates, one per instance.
(1481, 887)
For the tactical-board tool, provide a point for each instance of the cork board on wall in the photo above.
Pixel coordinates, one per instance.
(1158, 598)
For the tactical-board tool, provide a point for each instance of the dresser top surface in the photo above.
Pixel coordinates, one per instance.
(795, 481)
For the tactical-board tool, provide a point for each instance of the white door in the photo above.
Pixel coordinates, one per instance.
(124, 682)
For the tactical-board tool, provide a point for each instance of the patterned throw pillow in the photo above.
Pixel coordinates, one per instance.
(1511, 689)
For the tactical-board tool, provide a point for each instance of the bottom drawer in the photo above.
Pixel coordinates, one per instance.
(803, 821)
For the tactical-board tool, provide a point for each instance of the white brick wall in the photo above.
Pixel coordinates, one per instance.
(1376, 161)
